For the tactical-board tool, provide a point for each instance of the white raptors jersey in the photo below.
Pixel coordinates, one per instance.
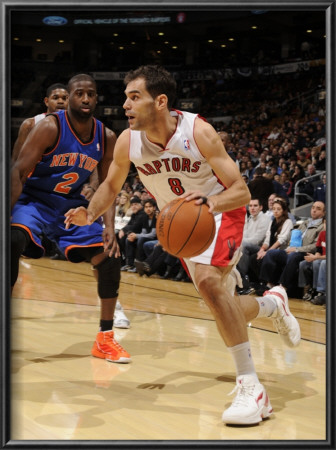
(180, 167)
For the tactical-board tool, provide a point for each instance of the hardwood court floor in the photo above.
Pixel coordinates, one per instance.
(176, 386)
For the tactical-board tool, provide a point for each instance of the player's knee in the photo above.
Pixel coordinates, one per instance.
(108, 277)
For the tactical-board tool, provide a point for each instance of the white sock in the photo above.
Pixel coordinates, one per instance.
(267, 306)
(242, 357)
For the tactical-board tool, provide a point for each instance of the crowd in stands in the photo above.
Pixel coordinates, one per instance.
(277, 136)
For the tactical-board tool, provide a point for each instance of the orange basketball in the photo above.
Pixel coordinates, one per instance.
(185, 229)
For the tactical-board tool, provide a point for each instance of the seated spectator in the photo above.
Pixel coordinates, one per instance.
(269, 212)
(297, 175)
(287, 185)
(255, 228)
(303, 161)
(276, 239)
(320, 160)
(163, 264)
(134, 225)
(310, 170)
(123, 207)
(312, 272)
(282, 266)
(144, 230)
(319, 193)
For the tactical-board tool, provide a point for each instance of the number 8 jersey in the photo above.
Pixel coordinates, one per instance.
(60, 174)
(168, 173)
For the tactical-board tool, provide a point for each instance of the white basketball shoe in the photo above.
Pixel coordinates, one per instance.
(284, 321)
(251, 404)
(120, 320)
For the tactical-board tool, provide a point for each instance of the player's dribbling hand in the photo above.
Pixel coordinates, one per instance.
(199, 198)
(77, 216)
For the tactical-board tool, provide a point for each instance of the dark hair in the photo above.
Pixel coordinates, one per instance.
(55, 86)
(259, 171)
(151, 201)
(158, 81)
(284, 216)
(258, 199)
(135, 199)
(81, 77)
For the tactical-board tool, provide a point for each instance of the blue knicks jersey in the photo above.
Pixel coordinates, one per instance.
(58, 177)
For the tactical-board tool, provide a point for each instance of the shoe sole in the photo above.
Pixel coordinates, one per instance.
(259, 416)
(121, 325)
(122, 360)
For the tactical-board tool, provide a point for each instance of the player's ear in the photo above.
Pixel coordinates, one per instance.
(162, 101)
(46, 101)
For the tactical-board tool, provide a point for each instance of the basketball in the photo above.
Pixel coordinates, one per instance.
(185, 229)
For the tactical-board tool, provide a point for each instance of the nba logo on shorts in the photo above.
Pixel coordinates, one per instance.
(186, 144)
(98, 147)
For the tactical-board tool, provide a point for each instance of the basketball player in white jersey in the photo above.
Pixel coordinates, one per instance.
(56, 99)
(178, 154)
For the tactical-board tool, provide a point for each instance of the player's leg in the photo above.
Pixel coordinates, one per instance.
(19, 242)
(251, 404)
(27, 222)
(85, 244)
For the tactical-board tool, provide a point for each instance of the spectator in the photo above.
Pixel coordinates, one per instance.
(310, 170)
(312, 271)
(320, 160)
(297, 175)
(158, 262)
(255, 228)
(283, 265)
(124, 206)
(269, 212)
(134, 225)
(144, 230)
(261, 187)
(319, 193)
(285, 182)
(276, 239)
(303, 161)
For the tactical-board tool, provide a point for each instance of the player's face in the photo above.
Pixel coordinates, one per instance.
(139, 105)
(83, 99)
(57, 100)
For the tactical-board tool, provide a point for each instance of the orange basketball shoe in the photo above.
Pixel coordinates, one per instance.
(106, 347)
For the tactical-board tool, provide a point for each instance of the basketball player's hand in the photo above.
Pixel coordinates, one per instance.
(77, 216)
(110, 242)
(200, 198)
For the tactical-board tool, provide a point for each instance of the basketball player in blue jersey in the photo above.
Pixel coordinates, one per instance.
(55, 161)
(57, 99)
(178, 154)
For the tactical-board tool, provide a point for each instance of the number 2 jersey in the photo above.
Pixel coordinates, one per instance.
(58, 177)
(180, 167)
(54, 187)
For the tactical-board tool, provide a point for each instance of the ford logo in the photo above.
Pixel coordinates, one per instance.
(55, 21)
